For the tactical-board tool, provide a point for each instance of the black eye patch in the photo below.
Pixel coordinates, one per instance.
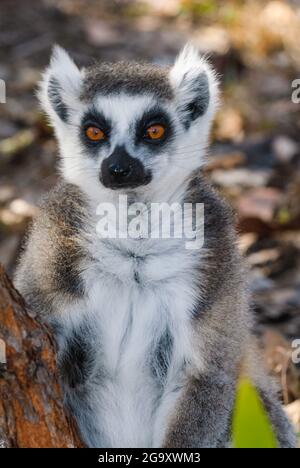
(155, 116)
(94, 118)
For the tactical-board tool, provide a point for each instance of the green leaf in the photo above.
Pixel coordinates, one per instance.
(251, 426)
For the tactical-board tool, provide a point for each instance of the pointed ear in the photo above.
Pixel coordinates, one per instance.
(60, 86)
(195, 85)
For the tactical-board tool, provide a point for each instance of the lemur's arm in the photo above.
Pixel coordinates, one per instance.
(204, 411)
(49, 269)
(202, 417)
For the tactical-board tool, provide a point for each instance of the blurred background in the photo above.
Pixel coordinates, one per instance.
(255, 155)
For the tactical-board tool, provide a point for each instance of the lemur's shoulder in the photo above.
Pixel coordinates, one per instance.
(61, 219)
(221, 267)
(65, 204)
(219, 216)
(217, 210)
(52, 254)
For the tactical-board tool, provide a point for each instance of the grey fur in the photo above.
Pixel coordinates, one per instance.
(286, 438)
(49, 269)
(219, 239)
(160, 360)
(205, 410)
(202, 418)
(128, 77)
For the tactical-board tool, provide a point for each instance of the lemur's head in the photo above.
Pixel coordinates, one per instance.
(128, 126)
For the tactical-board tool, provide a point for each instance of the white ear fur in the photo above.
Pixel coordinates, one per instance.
(60, 86)
(188, 68)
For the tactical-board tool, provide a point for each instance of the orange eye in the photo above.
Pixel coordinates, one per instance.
(155, 132)
(94, 134)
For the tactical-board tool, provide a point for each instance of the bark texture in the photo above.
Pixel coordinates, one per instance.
(31, 407)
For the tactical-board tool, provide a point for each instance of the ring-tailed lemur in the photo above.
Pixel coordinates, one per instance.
(151, 335)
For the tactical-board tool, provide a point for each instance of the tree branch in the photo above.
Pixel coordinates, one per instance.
(31, 406)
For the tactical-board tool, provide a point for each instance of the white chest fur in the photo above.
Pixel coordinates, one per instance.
(135, 297)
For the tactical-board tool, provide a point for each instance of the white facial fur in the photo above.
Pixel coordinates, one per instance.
(170, 167)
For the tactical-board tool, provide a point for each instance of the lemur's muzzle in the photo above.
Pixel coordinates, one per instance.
(120, 170)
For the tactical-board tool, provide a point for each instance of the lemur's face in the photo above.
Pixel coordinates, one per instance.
(130, 127)
(128, 137)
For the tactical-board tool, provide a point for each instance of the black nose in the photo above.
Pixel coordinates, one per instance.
(120, 170)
